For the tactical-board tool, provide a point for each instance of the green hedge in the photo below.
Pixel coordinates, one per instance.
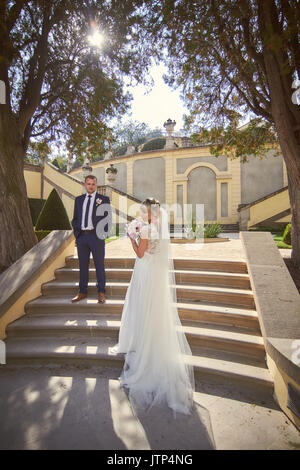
(53, 215)
(36, 206)
(154, 144)
(41, 234)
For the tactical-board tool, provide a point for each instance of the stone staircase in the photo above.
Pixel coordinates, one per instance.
(215, 304)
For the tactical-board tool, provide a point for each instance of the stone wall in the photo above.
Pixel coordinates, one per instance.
(149, 178)
(260, 177)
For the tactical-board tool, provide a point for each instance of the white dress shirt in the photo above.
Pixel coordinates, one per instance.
(90, 223)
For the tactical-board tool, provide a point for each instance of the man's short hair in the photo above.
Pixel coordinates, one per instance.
(90, 177)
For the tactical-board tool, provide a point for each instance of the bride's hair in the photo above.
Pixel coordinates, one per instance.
(153, 204)
(150, 200)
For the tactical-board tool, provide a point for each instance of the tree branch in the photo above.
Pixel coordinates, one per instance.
(31, 97)
(247, 77)
(14, 13)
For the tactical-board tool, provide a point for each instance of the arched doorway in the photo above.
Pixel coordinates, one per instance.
(202, 189)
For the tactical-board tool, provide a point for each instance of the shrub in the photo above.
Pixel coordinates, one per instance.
(41, 234)
(36, 206)
(53, 215)
(287, 235)
(154, 144)
(212, 230)
(209, 230)
(55, 163)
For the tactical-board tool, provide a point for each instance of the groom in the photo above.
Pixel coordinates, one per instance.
(91, 223)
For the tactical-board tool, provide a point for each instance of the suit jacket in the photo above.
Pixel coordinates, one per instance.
(76, 221)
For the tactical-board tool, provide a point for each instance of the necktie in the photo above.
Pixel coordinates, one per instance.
(87, 211)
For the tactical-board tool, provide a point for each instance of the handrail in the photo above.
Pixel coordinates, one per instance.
(129, 196)
(21, 275)
(257, 201)
(277, 303)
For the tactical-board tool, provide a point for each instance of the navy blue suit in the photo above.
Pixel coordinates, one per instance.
(92, 242)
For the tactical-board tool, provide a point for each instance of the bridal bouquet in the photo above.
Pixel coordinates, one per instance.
(133, 229)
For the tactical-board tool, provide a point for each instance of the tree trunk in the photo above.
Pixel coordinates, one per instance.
(17, 235)
(294, 193)
(291, 154)
(286, 116)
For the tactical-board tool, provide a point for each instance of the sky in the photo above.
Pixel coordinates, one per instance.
(161, 103)
(158, 105)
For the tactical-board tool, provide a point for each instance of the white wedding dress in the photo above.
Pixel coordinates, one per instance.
(157, 368)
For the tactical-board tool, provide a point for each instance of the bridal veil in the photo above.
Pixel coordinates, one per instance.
(158, 367)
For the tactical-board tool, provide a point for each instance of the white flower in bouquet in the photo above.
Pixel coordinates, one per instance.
(133, 229)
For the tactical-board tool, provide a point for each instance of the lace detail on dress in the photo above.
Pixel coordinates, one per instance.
(150, 232)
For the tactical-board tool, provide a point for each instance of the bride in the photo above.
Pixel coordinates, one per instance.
(156, 369)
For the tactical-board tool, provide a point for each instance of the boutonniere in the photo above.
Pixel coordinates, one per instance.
(98, 201)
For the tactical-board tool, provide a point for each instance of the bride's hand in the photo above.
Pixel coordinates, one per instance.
(131, 239)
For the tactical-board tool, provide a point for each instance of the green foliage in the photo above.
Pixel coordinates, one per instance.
(60, 162)
(212, 230)
(216, 54)
(287, 235)
(35, 206)
(132, 132)
(53, 215)
(154, 144)
(55, 163)
(33, 159)
(37, 151)
(280, 243)
(256, 139)
(40, 234)
(206, 231)
(120, 150)
(279, 234)
(64, 88)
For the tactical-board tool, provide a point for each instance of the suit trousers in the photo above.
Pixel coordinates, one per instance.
(87, 243)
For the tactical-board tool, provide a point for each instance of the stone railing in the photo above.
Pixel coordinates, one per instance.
(22, 281)
(278, 306)
(266, 209)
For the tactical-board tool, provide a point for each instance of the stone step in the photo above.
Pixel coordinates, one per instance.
(215, 278)
(201, 311)
(229, 296)
(227, 266)
(209, 365)
(204, 335)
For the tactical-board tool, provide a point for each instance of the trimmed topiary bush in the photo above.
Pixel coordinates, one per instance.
(36, 206)
(53, 216)
(42, 234)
